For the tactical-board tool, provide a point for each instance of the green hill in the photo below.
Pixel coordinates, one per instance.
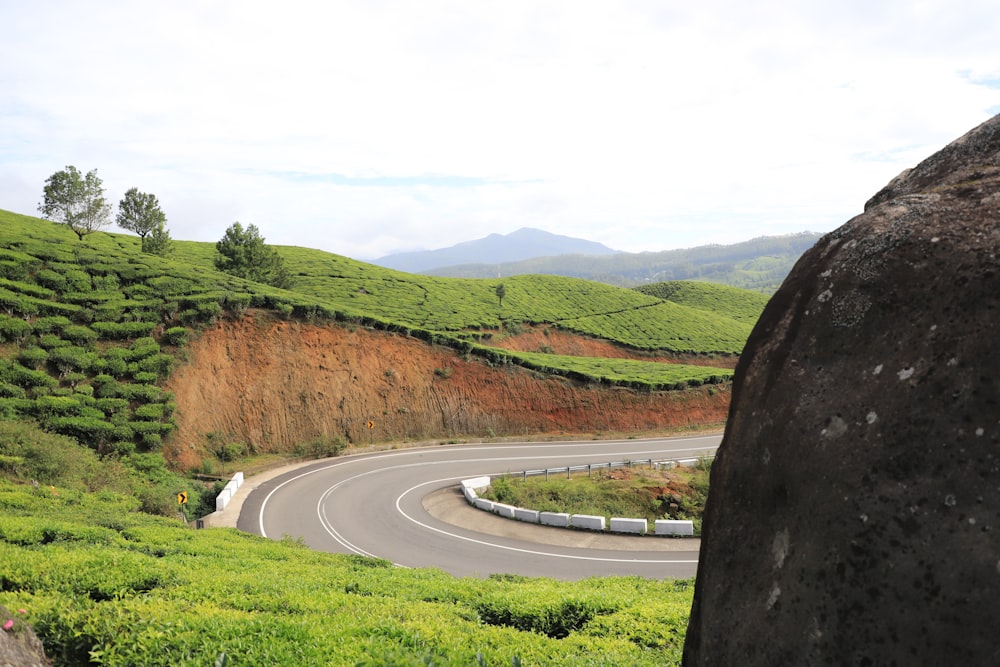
(91, 328)
(89, 331)
(760, 264)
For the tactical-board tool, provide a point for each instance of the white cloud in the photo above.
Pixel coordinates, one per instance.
(366, 128)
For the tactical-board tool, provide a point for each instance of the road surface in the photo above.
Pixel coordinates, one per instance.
(405, 506)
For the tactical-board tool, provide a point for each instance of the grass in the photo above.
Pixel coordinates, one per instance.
(104, 584)
(633, 493)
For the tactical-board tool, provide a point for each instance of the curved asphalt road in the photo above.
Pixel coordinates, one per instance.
(405, 506)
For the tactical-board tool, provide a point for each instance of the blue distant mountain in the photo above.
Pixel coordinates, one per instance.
(525, 243)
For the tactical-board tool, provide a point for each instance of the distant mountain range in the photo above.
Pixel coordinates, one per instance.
(760, 264)
(525, 243)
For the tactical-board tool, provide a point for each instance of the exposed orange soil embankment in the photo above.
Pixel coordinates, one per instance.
(272, 384)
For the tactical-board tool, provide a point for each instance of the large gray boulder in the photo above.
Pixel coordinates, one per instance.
(854, 513)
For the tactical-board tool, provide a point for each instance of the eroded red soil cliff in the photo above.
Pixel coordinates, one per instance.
(271, 384)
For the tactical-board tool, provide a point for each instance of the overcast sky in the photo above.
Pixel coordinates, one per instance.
(371, 127)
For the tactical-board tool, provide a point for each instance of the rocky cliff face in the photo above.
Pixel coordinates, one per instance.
(273, 384)
(854, 517)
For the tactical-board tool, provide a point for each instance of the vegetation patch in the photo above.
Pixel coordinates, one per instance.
(635, 493)
(101, 583)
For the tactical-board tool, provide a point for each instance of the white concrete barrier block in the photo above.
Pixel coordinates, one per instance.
(587, 521)
(476, 483)
(673, 527)
(238, 478)
(690, 463)
(619, 525)
(531, 516)
(559, 519)
(470, 494)
(223, 499)
(504, 510)
(484, 504)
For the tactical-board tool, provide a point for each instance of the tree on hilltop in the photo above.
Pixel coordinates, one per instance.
(243, 253)
(76, 200)
(158, 242)
(140, 212)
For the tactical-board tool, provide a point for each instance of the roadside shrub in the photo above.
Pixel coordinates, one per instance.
(322, 447)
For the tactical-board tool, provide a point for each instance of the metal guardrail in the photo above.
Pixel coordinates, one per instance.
(589, 468)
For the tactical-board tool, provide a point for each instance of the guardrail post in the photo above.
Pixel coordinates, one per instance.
(568, 472)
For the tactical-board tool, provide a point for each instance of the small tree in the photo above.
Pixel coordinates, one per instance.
(158, 242)
(243, 253)
(140, 212)
(76, 200)
(501, 292)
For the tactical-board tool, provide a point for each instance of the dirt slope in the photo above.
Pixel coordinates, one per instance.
(272, 383)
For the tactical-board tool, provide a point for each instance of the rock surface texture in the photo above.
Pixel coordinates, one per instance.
(854, 517)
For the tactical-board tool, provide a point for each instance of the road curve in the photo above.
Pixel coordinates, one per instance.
(404, 506)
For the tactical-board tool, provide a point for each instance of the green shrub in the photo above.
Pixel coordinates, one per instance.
(176, 336)
(123, 330)
(142, 348)
(157, 363)
(51, 279)
(50, 341)
(111, 405)
(72, 358)
(11, 391)
(87, 430)
(149, 412)
(17, 374)
(33, 357)
(54, 323)
(13, 329)
(140, 392)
